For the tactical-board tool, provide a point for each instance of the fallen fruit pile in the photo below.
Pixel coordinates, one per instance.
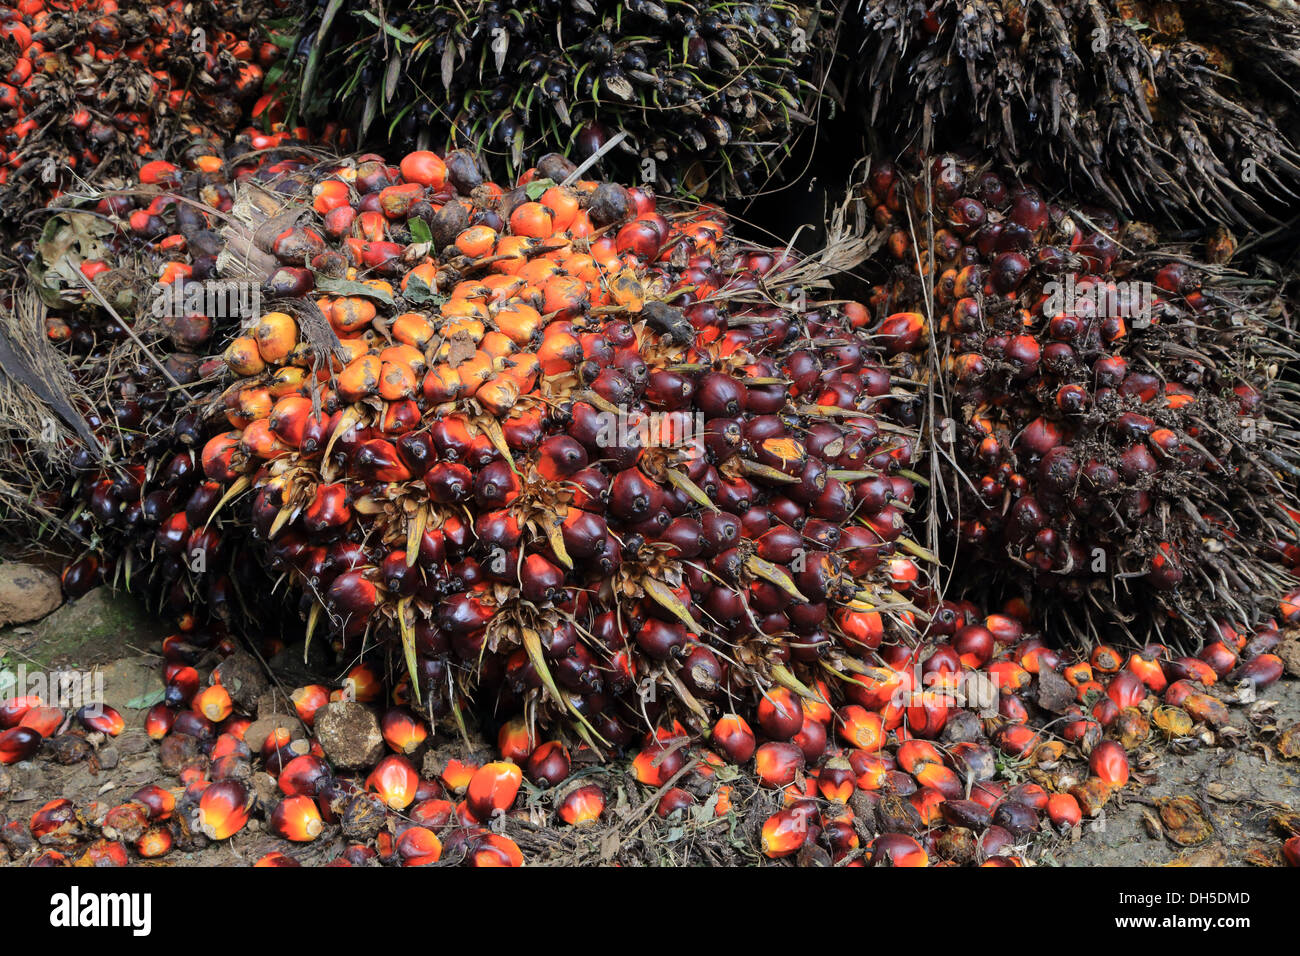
(1120, 417)
(978, 748)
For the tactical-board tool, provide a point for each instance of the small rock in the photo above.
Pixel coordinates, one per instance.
(1054, 692)
(108, 757)
(349, 734)
(27, 593)
(67, 749)
(6, 781)
(244, 679)
(267, 790)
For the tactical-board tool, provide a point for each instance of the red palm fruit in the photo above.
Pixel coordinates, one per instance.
(514, 741)
(1205, 709)
(861, 729)
(395, 782)
(927, 719)
(560, 456)
(1218, 655)
(582, 806)
(296, 819)
(223, 809)
(780, 713)
(493, 789)
(784, 832)
(403, 731)
(493, 849)
(732, 736)
(1126, 690)
(17, 744)
(541, 581)
(159, 802)
(308, 700)
(1291, 851)
(158, 721)
(662, 640)
(102, 718)
(213, 703)
(673, 801)
(1063, 810)
(777, 764)
(1109, 763)
(44, 720)
(548, 765)
(897, 849)
(872, 770)
(13, 709)
(276, 859)
(154, 842)
(103, 853)
(1262, 671)
(303, 776)
(1016, 740)
(658, 762)
(57, 818)
(433, 813)
(811, 739)
(1105, 659)
(836, 780)
(1191, 669)
(418, 846)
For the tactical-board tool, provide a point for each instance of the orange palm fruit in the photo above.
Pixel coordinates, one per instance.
(784, 832)
(496, 850)
(583, 805)
(477, 241)
(243, 357)
(276, 335)
(296, 819)
(395, 781)
(360, 379)
(223, 809)
(418, 846)
(457, 775)
(423, 167)
(154, 842)
(413, 329)
(396, 381)
(1105, 659)
(493, 788)
(656, 764)
(213, 703)
(897, 849)
(275, 859)
(861, 729)
(442, 384)
(836, 780)
(403, 731)
(351, 314)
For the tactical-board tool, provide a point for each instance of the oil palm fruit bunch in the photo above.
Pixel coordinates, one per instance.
(1181, 111)
(132, 310)
(710, 96)
(559, 449)
(1119, 414)
(90, 90)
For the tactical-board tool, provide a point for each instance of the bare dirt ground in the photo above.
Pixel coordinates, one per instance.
(1238, 784)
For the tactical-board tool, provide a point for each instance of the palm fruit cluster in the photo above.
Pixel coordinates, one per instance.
(983, 745)
(1182, 111)
(710, 96)
(568, 452)
(132, 315)
(1119, 415)
(92, 89)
